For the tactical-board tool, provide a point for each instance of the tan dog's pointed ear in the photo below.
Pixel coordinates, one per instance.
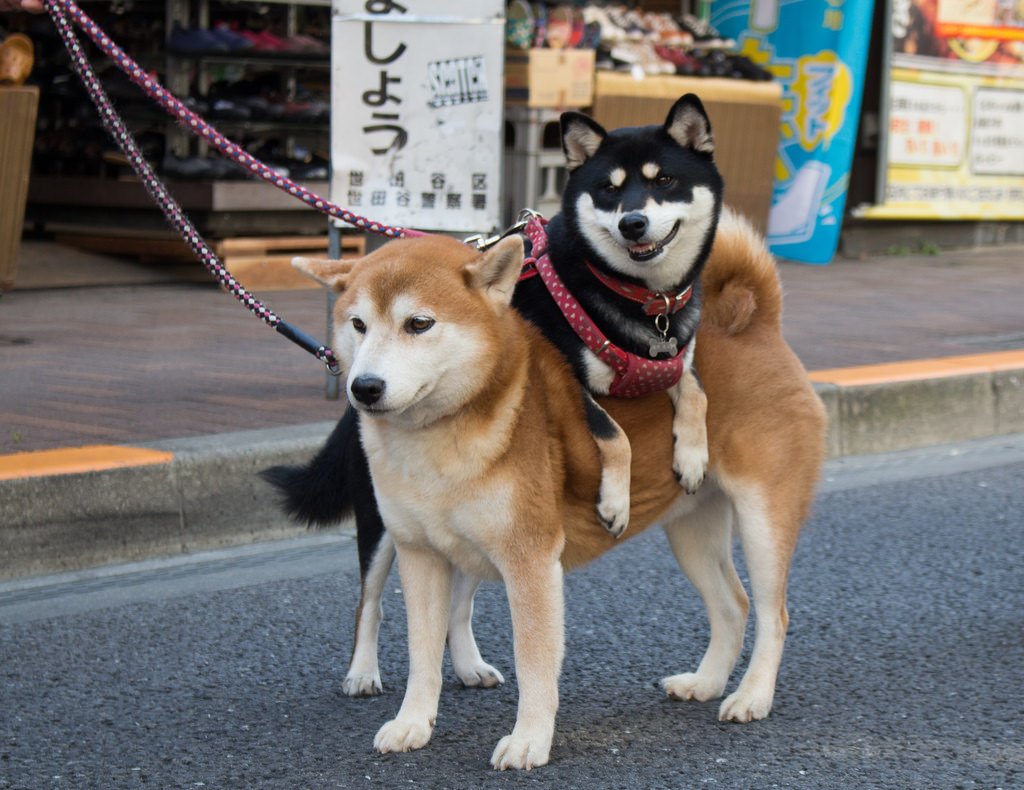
(332, 273)
(496, 271)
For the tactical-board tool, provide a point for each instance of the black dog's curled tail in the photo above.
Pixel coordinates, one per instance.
(323, 492)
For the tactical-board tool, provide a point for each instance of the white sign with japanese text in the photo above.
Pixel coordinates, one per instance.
(927, 124)
(417, 92)
(997, 132)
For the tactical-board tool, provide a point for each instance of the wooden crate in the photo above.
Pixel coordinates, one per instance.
(257, 262)
(266, 263)
(17, 131)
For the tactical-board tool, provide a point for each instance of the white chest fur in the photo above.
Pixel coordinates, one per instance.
(438, 489)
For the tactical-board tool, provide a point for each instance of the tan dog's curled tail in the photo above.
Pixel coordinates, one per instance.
(741, 284)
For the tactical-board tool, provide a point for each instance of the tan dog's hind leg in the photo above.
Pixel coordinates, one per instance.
(426, 587)
(702, 543)
(768, 552)
(689, 431)
(538, 630)
(363, 678)
(467, 662)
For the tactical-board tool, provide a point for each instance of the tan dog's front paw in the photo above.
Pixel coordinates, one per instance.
(690, 685)
(745, 705)
(402, 736)
(515, 751)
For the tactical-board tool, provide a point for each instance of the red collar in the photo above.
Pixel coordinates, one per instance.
(654, 302)
(634, 375)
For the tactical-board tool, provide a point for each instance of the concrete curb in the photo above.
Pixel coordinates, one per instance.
(879, 409)
(208, 495)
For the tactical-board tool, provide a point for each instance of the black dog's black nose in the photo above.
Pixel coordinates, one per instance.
(367, 389)
(633, 226)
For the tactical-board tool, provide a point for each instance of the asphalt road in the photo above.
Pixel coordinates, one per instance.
(904, 665)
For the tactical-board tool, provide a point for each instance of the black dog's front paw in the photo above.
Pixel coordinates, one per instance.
(614, 520)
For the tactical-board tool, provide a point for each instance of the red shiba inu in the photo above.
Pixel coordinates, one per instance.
(480, 463)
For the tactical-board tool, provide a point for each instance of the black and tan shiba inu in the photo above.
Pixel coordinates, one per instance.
(477, 455)
(618, 285)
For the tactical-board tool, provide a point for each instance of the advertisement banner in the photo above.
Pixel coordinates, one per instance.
(817, 50)
(417, 97)
(953, 111)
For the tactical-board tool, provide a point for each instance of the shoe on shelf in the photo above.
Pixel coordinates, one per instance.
(704, 34)
(264, 41)
(314, 171)
(195, 42)
(197, 104)
(227, 109)
(306, 45)
(685, 63)
(307, 111)
(262, 109)
(190, 168)
(235, 42)
(748, 70)
(222, 169)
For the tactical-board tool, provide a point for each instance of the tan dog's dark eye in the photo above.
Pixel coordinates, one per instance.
(358, 325)
(418, 324)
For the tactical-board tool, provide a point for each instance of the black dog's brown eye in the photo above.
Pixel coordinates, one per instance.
(358, 325)
(664, 181)
(418, 324)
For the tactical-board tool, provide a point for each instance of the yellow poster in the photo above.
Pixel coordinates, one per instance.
(954, 129)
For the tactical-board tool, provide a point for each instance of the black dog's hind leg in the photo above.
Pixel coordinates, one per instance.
(333, 486)
(616, 458)
(363, 676)
(467, 662)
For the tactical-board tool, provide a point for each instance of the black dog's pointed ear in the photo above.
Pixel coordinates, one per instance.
(581, 137)
(688, 125)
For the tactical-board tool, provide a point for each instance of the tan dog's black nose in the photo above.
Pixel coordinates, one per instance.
(367, 389)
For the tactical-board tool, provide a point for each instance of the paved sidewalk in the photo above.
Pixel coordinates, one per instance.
(905, 352)
(130, 364)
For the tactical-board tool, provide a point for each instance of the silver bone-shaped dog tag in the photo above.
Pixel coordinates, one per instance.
(661, 346)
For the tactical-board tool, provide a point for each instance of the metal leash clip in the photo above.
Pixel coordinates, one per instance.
(482, 242)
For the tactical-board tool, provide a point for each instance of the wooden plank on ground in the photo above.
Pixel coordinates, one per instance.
(17, 131)
(258, 262)
(128, 246)
(259, 269)
(260, 244)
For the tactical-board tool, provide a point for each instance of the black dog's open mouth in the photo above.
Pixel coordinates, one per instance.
(645, 252)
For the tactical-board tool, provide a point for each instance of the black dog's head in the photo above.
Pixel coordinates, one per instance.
(646, 200)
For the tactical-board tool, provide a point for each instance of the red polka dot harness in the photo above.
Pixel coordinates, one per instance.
(634, 375)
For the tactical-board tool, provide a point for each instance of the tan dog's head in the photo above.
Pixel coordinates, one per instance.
(419, 323)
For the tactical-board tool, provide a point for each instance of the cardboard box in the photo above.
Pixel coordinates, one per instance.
(17, 133)
(745, 118)
(562, 78)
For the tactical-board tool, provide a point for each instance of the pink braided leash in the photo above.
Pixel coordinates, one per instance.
(200, 128)
(59, 11)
